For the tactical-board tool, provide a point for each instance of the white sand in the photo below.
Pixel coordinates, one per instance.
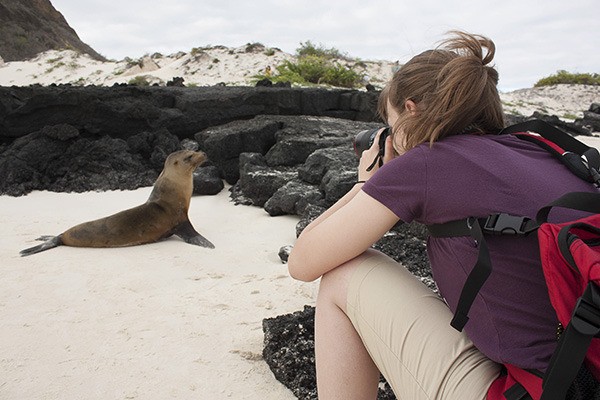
(202, 67)
(158, 321)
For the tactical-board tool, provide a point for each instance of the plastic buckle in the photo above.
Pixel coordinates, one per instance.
(505, 224)
(586, 315)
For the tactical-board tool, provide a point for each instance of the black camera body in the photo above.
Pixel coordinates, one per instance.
(364, 140)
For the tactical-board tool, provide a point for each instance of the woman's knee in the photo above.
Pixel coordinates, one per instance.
(334, 284)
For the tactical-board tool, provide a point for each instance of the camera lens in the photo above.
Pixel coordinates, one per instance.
(364, 139)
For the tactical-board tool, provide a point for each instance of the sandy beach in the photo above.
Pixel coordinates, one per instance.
(158, 321)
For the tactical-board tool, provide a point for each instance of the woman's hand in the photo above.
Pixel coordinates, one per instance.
(368, 157)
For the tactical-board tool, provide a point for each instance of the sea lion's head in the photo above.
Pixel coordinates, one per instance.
(175, 182)
(185, 161)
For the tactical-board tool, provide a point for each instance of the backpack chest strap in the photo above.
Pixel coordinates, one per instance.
(496, 224)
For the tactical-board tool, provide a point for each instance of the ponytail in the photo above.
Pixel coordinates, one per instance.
(454, 88)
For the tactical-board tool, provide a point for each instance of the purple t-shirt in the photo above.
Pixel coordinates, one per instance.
(511, 320)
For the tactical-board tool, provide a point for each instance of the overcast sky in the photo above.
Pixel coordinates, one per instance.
(534, 39)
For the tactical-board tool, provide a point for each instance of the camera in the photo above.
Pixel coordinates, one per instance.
(364, 140)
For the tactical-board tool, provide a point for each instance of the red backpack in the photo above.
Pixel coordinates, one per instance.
(570, 257)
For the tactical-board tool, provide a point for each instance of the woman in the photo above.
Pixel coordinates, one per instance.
(443, 161)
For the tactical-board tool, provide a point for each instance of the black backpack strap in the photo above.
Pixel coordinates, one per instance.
(573, 344)
(516, 392)
(581, 201)
(581, 159)
(496, 224)
(550, 132)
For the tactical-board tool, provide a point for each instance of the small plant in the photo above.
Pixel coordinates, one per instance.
(133, 63)
(309, 49)
(20, 41)
(270, 52)
(54, 60)
(55, 66)
(564, 77)
(216, 61)
(254, 47)
(139, 81)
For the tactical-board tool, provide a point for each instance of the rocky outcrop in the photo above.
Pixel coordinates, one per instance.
(122, 111)
(125, 132)
(31, 27)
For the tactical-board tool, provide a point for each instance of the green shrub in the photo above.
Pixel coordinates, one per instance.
(139, 81)
(315, 65)
(317, 70)
(309, 49)
(563, 76)
(254, 47)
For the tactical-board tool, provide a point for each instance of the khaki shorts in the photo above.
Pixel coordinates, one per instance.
(406, 330)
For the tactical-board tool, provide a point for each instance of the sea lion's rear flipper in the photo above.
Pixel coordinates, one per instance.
(50, 242)
(186, 231)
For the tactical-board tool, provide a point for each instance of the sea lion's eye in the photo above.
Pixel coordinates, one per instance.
(188, 158)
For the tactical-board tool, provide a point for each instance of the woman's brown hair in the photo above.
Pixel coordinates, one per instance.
(453, 87)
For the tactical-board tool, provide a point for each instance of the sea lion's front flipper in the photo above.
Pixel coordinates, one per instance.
(50, 242)
(186, 231)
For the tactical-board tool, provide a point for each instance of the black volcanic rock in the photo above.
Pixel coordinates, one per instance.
(122, 111)
(293, 198)
(258, 182)
(207, 181)
(56, 158)
(289, 352)
(225, 143)
(29, 27)
(591, 118)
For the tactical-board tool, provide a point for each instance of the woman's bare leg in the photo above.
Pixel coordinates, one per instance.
(344, 368)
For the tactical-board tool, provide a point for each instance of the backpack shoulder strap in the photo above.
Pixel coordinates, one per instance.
(496, 224)
(581, 159)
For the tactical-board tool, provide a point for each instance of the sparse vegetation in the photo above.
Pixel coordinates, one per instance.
(54, 60)
(562, 77)
(132, 63)
(140, 80)
(55, 66)
(270, 52)
(254, 47)
(316, 65)
(310, 49)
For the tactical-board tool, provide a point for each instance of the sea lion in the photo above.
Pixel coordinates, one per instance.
(165, 213)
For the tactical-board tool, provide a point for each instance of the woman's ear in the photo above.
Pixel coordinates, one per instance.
(410, 106)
